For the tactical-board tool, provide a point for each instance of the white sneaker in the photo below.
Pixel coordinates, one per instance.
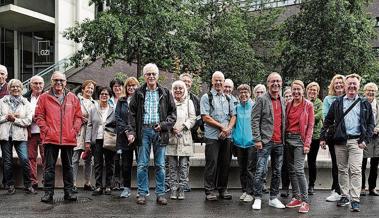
(334, 196)
(257, 204)
(243, 196)
(248, 198)
(276, 203)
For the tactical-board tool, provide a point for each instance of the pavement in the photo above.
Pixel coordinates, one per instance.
(25, 206)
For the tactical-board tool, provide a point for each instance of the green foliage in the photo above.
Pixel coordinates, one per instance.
(121, 76)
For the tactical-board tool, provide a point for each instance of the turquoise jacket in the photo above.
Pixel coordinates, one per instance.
(242, 132)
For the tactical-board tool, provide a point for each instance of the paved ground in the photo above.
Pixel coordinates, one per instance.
(25, 206)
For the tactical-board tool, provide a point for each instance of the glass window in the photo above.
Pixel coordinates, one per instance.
(7, 50)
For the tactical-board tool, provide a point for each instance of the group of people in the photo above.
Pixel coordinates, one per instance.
(260, 126)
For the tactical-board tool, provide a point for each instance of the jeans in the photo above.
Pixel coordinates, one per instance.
(335, 184)
(285, 174)
(99, 155)
(151, 138)
(374, 161)
(178, 169)
(312, 156)
(218, 154)
(87, 166)
(126, 166)
(51, 156)
(296, 159)
(22, 153)
(33, 144)
(276, 153)
(247, 161)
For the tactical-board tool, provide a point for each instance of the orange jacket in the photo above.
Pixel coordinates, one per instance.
(59, 123)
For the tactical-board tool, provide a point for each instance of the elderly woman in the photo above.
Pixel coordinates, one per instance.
(180, 146)
(287, 95)
(123, 147)
(335, 89)
(372, 149)
(312, 91)
(86, 104)
(15, 116)
(299, 130)
(101, 118)
(243, 142)
(259, 90)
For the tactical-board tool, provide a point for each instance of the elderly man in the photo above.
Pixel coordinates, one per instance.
(218, 113)
(59, 118)
(228, 90)
(151, 118)
(268, 123)
(3, 83)
(354, 121)
(34, 142)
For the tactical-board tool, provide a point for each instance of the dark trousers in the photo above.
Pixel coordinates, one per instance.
(117, 167)
(99, 155)
(34, 144)
(247, 162)
(218, 155)
(51, 156)
(312, 167)
(374, 161)
(332, 151)
(285, 172)
(127, 164)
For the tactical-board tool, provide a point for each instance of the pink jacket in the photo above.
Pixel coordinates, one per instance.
(307, 121)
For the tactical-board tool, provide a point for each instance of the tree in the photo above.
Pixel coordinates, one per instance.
(328, 37)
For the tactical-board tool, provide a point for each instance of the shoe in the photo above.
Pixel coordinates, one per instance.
(276, 203)
(108, 191)
(125, 193)
(187, 189)
(211, 197)
(355, 206)
(311, 190)
(30, 190)
(181, 194)
(243, 196)
(88, 187)
(334, 196)
(294, 203)
(363, 192)
(285, 193)
(47, 198)
(116, 186)
(141, 200)
(344, 201)
(98, 191)
(74, 190)
(373, 192)
(174, 194)
(225, 195)
(257, 204)
(248, 198)
(11, 190)
(161, 200)
(304, 208)
(147, 195)
(69, 197)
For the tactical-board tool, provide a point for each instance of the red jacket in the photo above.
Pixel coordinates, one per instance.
(306, 122)
(59, 123)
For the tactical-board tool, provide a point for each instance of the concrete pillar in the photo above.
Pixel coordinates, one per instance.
(16, 56)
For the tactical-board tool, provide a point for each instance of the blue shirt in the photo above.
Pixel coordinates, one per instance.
(242, 132)
(328, 100)
(151, 114)
(352, 119)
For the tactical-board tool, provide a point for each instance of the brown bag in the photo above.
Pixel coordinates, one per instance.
(109, 140)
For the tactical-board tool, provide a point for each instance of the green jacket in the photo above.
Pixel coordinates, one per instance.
(317, 105)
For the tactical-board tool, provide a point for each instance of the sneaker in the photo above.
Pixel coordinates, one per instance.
(161, 200)
(89, 187)
(141, 200)
(304, 208)
(334, 196)
(125, 193)
(294, 203)
(243, 196)
(344, 201)
(70, 197)
(98, 191)
(355, 206)
(257, 204)
(108, 191)
(276, 203)
(74, 189)
(225, 195)
(248, 198)
(47, 198)
(11, 190)
(181, 194)
(30, 190)
(174, 194)
(311, 190)
(211, 197)
(116, 185)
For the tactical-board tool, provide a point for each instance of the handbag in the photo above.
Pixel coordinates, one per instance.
(331, 131)
(109, 140)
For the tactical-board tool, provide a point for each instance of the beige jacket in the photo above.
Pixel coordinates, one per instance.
(81, 137)
(18, 128)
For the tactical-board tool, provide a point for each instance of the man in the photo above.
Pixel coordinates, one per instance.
(353, 131)
(152, 116)
(228, 90)
(34, 142)
(268, 123)
(218, 113)
(59, 118)
(3, 82)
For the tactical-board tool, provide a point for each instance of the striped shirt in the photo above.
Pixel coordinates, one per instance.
(151, 114)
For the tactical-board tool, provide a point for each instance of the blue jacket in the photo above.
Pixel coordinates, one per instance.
(242, 133)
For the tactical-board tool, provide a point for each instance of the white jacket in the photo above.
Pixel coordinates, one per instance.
(19, 126)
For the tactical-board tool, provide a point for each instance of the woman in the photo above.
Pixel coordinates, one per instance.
(86, 104)
(116, 86)
(259, 90)
(299, 130)
(336, 88)
(243, 142)
(101, 118)
(15, 117)
(126, 150)
(180, 146)
(313, 90)
(287, 95)
(372, 149)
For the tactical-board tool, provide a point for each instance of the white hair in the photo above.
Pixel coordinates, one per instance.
(150, 68)
(230, 82)
(36, 77)
(58, 73)
(182, 84)
(218, 73)
(3, 69)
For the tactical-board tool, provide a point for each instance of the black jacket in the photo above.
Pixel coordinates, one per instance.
(335, 114)
(28, 95)
(167, 113)
(121, 115)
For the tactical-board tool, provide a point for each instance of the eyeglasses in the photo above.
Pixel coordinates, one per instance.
(104, 94)
(59, 80)
(15, 87)
(178, 88)
(37, 83)
(275, 81)
(150, 74)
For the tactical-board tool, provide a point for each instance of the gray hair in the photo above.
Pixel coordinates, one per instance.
(58, 73)
(3, 69)
(218, 73)
(150, 68)
(230, 82)
(15, 82)
(36, 77)
(181, 76)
